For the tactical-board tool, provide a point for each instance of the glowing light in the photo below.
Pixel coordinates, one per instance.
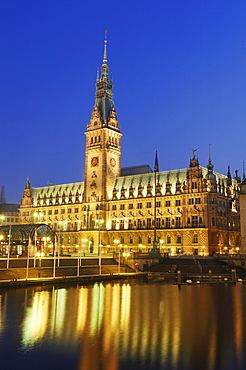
(40, 254)
(36, 319)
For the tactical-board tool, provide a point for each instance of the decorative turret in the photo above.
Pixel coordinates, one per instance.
(194, 175)
(178, 185)
(168, 187)
(237, 178)
(229, 182)
(210, 176)
(27, 199)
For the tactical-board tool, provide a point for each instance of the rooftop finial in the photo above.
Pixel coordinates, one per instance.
(193, 153)
(243, 170)
(105, 47)
(209, 151)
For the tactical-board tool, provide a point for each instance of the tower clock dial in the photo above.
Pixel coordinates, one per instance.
(94, 161)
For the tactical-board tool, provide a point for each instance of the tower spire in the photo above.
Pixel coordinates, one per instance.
(104, 76)
(210, 166)
(104, 85)
(210, 174)
(105, 47)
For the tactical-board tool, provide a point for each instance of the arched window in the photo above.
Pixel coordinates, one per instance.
(195, 238)
(168, 239)
(179, 239)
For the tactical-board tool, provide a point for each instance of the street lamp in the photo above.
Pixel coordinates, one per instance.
(84, 242)
(125, 256)
(37, 215)
(46, 241)
(61, 228)
(203, 249)
(1, 238)
(116, 241)
(2, 218)
(99, 222)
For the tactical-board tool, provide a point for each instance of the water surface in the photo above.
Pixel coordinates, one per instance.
(124, 325)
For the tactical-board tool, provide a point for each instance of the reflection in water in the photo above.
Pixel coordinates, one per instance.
(58, 311)
(36, 319)
(3, 305)
(129, 325)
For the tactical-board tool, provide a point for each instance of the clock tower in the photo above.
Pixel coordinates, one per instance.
(102, 154)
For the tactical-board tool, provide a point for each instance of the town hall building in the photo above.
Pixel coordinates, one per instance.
(190, 211)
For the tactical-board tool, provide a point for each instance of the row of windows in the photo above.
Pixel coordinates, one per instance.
(11, 213)
(168, 240)
(167, 223)
(95, 139)
(158, 204)
(55, 212)
(11, 219)
(139, 240)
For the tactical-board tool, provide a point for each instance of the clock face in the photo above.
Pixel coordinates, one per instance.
(94, 161)
(112, 162)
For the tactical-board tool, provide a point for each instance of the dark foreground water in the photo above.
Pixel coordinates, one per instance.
(124, 325)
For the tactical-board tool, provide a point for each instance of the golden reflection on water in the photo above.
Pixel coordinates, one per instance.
(3, 306)
(36, 319)
(156, 324)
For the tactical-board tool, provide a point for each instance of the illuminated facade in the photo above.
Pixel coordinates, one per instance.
(243, 215)
(9, 214)
(197, 209)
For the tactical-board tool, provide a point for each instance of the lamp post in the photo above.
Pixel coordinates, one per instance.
(116, 241)
(61, 228)
(79, 259)
(99, 222)
(1, 238)
(125, 256)
(84, 241)
(9, 238)
(46, 240)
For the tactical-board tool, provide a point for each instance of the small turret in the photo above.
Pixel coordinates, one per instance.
(229, 182)
(27, 199)
(210, 176)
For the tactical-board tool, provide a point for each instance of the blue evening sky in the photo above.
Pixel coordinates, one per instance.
(179, 70)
